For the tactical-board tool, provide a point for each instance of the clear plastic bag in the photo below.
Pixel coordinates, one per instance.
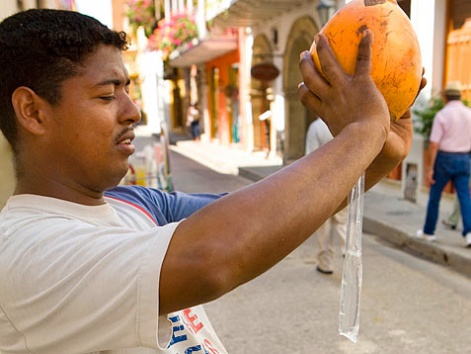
(349, 316)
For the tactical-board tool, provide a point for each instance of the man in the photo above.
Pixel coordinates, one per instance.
(87, 266)
(449, 146)
(335, 228)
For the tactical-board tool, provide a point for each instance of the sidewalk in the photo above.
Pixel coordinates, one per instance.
(386, 213)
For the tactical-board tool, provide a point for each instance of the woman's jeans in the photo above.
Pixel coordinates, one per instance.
(453, 167)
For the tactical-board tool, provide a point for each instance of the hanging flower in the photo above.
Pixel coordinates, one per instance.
(141, 13)
(171, 34)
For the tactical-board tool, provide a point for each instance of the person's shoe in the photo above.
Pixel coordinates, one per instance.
(430, 238)
(324, 271)
(448, 225)
(468, 240)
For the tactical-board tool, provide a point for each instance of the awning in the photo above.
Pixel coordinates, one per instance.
(202, 51)
(250, 13)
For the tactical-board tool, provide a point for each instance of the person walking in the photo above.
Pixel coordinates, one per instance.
(88, 266)
(335, 228)
(193, 120)
(450, 146)
(455, 215)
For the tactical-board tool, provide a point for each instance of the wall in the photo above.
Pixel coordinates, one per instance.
(6, 171)
(223, 117)
(7, 182)
(8, 7)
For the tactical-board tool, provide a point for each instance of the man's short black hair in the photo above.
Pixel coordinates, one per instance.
(41, 48)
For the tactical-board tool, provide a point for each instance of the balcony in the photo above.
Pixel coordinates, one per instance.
(251, 13)
(200, 51)
(227, 14)
(204, 45)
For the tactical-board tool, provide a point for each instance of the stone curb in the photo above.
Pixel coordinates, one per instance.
(435, 251)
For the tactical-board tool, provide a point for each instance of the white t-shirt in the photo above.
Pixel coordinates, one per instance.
(317, 135)
(81, 279)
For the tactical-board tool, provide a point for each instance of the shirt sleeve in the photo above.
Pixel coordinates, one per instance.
(164, 207)
(84, 287)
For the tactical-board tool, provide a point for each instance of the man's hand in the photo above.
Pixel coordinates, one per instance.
(433, 150)
(340, 99)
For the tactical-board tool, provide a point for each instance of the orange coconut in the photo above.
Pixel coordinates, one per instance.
(396, 60)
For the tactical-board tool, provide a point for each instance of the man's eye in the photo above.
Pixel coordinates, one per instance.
(107, 98)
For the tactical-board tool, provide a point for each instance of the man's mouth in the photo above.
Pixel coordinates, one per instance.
(126, 137)
(125, 142)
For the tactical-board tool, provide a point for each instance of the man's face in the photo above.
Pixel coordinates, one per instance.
(91, 128)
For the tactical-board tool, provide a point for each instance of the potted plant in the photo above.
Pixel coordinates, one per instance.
(141, 13)
(423, 125)
(172, 33)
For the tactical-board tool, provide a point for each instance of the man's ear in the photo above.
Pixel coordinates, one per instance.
(30, 110)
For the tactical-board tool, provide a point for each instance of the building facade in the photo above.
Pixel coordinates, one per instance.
(271, 117)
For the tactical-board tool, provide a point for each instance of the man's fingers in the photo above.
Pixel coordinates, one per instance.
(309, 91)
(329, 65)
(308, 70)
(308, 99)
(363, 66)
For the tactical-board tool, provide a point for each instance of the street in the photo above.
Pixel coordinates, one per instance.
(408, 305)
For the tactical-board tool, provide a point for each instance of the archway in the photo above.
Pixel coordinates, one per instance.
(262, 53)
(297, 117)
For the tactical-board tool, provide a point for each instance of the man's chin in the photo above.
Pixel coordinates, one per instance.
(114, 180)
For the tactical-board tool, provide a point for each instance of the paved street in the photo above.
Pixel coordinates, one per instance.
(408, 305)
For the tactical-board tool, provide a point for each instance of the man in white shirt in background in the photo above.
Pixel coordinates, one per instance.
(335, 228)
